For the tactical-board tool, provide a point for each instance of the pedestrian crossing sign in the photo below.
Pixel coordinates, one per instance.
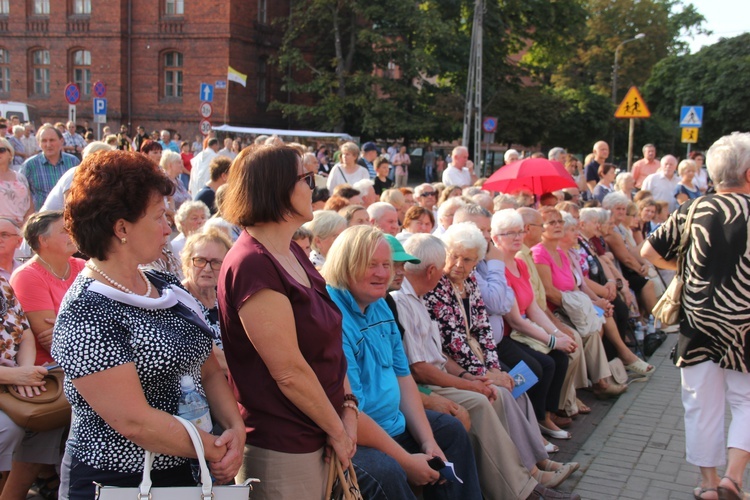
(690, 135)
(633, 106)
(691, 116)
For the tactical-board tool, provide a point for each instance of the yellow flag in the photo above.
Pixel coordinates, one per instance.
(235, 76)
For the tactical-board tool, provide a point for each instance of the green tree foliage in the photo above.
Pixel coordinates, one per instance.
(717, 77)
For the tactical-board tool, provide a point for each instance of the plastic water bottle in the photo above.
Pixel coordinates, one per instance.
(193, 406)
(651, 326)
(639, 336)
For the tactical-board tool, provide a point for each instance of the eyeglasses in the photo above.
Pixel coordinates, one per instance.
(4, 150)
(5, 236)
(200, 262)
(537, 225)
(513, 234)
(428, 193)
(309, 179)
(556, 222)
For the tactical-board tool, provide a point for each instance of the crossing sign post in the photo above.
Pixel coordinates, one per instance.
(633, 106)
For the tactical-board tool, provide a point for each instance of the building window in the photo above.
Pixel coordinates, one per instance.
(82, 7)
(262, 80)
(4, 7)
(82, 71)
(173, 74)
(40, 68)
(174, 7)
(41, 7)
(262, 11)
(4, 70)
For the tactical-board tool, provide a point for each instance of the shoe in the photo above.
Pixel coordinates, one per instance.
(698, 492)
(550, 463)
(640, 367)
(550, 494)
(554, 478)
(563, 413)
(551, 448)
(561, 422)
(729, 494)
(583, 409)
(612, 391)
(557, 433)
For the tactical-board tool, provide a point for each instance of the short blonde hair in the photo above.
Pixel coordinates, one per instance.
(324, 224)
(350, 147)
(394, 197)
(685, 164)
(210, 235)
(167, 157)
(6, 144)
(350, 255)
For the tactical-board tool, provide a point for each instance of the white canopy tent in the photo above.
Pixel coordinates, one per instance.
(280, 132)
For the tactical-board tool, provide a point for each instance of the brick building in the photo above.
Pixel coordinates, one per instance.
(152, 56)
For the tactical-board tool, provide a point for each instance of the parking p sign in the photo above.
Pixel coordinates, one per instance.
(100, 106)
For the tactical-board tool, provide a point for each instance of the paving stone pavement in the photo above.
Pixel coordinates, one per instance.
(638, 450)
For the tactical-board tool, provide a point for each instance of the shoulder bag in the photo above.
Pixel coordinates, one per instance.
(49, 410)
(205, 491)
(341, 486)
(667, 309)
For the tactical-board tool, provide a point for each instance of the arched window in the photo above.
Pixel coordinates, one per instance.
(40, 67)
(82, 71)
(4, 71)
(173, 74)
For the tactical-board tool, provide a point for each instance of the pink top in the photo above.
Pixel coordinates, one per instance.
(14, 199)
(562, 277)
(521, 285)
(37, 289)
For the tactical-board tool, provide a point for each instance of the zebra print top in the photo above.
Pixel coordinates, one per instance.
(715, 315)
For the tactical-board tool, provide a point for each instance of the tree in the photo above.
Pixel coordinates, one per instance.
(717, 77)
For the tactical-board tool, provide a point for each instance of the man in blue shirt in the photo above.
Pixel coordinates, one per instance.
(45, 169)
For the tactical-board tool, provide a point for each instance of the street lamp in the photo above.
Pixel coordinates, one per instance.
(614, 82)
(617, 56)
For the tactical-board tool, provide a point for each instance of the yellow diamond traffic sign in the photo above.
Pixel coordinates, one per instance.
(690, 134)
(633, 106)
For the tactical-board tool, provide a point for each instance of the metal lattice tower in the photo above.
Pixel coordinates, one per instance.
(474, 88)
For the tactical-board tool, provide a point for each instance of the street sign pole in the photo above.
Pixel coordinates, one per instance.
(630, 143)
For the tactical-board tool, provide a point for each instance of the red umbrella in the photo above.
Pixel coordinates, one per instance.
(538, 175)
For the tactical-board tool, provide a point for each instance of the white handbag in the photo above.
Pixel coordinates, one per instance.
(206, 490)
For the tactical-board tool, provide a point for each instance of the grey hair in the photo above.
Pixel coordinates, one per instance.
(364, 186)
(427, 248)
(590, 214)
(18, 128)
(728, 160)
(467, 236)
(454, 202)
(604, 215)
(615, 199)
(325, 223)
(420, 189)
(555, 153)
(506, 219)
(508, 153)
(568, 220)
(184, 212)
(168, 156)
(470, 191)
(95, 146)
(472, 210)
(378, 209)
(311, 159)
(505, 199)
(620, 180)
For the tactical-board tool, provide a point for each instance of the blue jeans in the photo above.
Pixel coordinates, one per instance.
(380, 476)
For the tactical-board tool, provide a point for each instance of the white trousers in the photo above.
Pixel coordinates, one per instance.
(706, 389)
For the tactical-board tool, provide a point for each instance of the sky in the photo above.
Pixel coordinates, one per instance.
(726, 18)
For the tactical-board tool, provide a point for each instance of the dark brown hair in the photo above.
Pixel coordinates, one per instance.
(218, 167)
(149, 145)
(261, 182)
(108, 186)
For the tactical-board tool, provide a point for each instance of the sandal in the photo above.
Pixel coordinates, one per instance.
(551, 448)
(47, 487)
(729, 494)
(699, 491)
(551, 464)
(641, 367)
(583, 409)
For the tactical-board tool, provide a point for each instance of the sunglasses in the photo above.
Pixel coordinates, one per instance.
(429, 193)
(4, 150)
(309, 179)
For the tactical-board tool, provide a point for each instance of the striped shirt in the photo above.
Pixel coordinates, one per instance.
(715, 296)
(43, 175)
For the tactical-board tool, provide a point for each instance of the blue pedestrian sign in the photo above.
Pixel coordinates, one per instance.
(691, 116)
(207, 92)
(100, 106)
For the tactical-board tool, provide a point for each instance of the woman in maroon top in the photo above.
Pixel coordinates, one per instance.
(281, 331)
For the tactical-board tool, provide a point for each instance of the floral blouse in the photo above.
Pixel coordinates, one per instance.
(13, 323)
(446, 311)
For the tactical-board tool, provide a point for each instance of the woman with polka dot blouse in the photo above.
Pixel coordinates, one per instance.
(125, 338)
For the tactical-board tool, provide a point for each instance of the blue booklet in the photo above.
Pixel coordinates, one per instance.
(523, 377)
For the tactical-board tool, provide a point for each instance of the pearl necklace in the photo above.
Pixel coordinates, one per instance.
(117, 285)
(65, 274)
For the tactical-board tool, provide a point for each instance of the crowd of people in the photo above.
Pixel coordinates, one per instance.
(332, 311)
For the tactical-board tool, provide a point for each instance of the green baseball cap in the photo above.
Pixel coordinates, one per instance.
(398, 253)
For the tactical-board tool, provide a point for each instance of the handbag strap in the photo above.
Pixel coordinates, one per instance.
(474, 345)
(685, 238)
(206, 483)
